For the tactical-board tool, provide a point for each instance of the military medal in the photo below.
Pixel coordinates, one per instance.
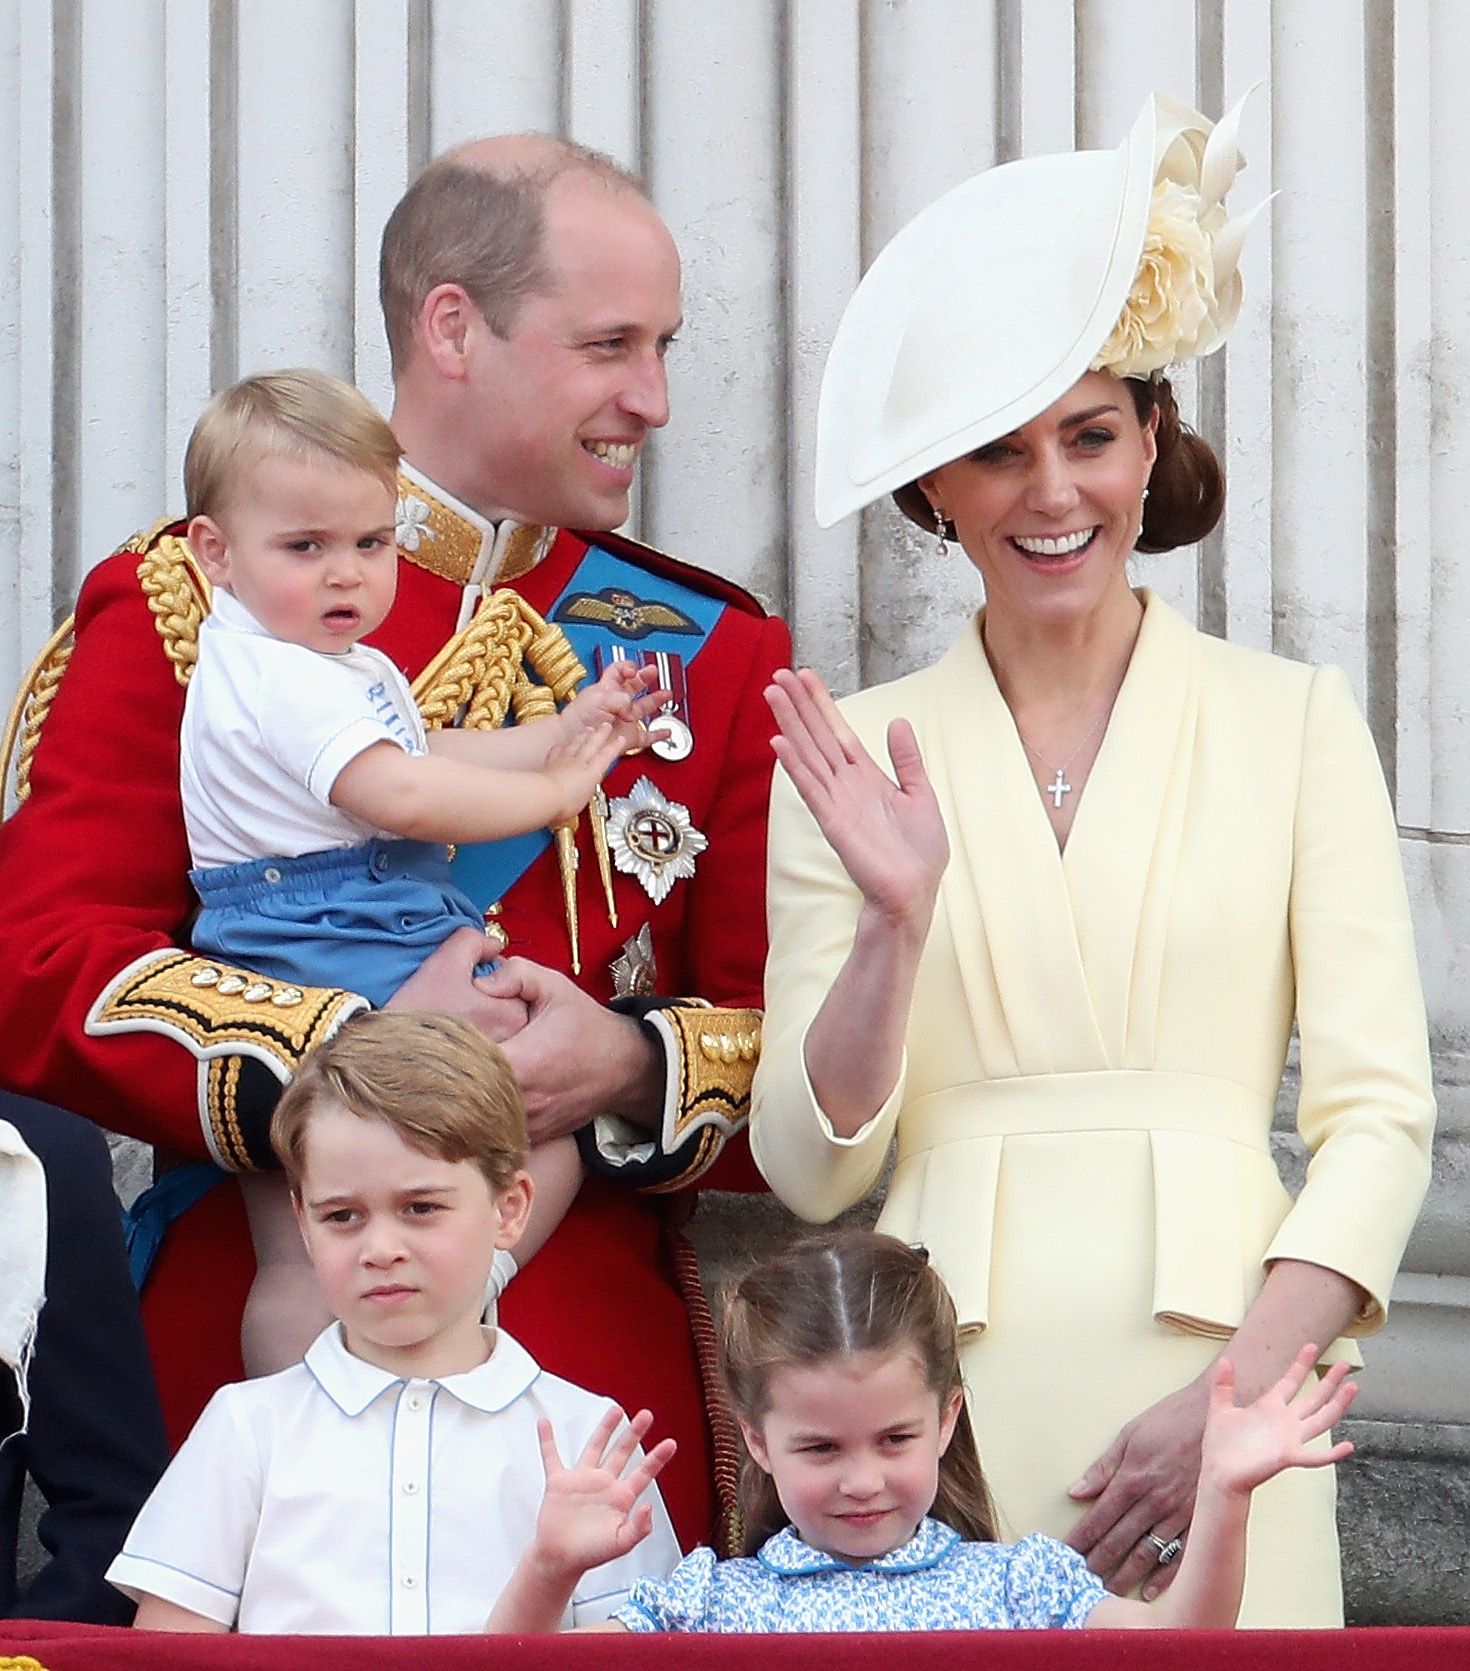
(673, 739)
(653, 838)
(633, 971)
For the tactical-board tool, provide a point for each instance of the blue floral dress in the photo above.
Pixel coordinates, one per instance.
(936, 1581)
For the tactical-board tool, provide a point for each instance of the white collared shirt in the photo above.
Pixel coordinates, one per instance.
(267, 727)
(337, 1499)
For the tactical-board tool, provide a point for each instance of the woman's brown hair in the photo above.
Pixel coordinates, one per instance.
(830, 1296)
(1186, 489)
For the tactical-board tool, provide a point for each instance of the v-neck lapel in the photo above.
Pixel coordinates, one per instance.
(1124, 845)
(1005, 895)
(1062, 953)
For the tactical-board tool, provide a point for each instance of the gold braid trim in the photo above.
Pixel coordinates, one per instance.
(475, 674)
(222, 1112)
(221, 1014)
(20, 1662)
(178, 595)
(551, 654)
(32, 704)
(723, 1428)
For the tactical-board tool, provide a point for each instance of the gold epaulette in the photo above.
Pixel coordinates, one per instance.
(177, 591)
(178, 597)
(32, 704)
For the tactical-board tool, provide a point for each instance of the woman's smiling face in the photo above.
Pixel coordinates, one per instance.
(1050, 512)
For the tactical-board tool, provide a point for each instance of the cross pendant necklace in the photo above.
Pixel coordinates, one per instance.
(1059, 788)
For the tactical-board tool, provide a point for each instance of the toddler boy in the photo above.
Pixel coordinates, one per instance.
(386, 1485)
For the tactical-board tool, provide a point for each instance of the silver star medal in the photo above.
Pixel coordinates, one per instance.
(653, 839)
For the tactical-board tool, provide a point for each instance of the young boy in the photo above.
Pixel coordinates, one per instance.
(387, 1485)
(302, 749)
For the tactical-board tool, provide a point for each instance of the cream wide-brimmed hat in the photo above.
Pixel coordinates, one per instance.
(993, 301)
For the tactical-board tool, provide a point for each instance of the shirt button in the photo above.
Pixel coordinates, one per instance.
(415, 1401)
(271, 874)
(409, 1582)
(411, 1487)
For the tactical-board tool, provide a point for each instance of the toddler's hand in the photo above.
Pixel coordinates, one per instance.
(591, 1513)
(1246, 1446)
(625, 697)
(576, 768)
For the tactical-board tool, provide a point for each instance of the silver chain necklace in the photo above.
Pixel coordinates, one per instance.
(1059, 788)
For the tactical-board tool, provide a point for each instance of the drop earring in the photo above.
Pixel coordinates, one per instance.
(941, 531)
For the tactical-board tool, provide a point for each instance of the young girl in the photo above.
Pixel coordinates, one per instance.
(865, 1505)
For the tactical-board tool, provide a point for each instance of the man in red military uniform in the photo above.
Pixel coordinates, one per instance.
(530, 292)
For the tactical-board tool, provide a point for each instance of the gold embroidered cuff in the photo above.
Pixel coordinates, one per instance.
(234, 1024)
(711, 1057)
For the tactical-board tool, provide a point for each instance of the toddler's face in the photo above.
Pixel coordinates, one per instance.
(307, 546)
(402, 1242)
(853, 1445)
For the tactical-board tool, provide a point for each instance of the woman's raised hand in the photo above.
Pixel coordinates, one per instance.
(889, 835)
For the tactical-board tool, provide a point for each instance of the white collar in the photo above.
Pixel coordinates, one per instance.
(353, 1384)
(226, 610)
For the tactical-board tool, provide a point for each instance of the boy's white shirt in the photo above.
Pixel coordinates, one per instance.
(267, 728)
(336, 1498)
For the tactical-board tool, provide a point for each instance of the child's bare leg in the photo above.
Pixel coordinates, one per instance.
(284, 1311)
(556, 1176)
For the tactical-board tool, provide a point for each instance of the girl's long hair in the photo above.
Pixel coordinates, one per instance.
(830, 1296)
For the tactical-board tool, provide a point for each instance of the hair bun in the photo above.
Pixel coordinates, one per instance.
(1186, 491)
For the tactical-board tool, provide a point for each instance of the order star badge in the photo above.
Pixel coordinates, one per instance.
(653, 839)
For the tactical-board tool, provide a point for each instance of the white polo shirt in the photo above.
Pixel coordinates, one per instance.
(337, 1499)
(268, 726)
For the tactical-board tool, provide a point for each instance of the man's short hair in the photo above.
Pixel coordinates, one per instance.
(480, 228)
(442, 1086)
(276, 414)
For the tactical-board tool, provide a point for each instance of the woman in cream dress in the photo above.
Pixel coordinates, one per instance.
(1059, 951)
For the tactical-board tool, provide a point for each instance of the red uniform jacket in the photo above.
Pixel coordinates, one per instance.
(93, 878)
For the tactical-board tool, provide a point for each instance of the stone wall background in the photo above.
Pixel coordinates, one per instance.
(193, 189)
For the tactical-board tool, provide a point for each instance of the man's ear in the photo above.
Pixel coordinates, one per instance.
(446, 319)
(211, 549)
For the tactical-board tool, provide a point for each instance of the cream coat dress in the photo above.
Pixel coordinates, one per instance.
(1096, 1044)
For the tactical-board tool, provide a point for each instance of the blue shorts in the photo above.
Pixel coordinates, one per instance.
(360, 918)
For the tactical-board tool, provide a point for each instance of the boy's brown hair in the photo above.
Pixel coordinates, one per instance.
(290, 414)
(443, 1087)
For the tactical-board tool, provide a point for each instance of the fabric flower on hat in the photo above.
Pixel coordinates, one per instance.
(1187, 290)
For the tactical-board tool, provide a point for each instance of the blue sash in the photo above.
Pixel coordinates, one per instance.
(488, 870)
